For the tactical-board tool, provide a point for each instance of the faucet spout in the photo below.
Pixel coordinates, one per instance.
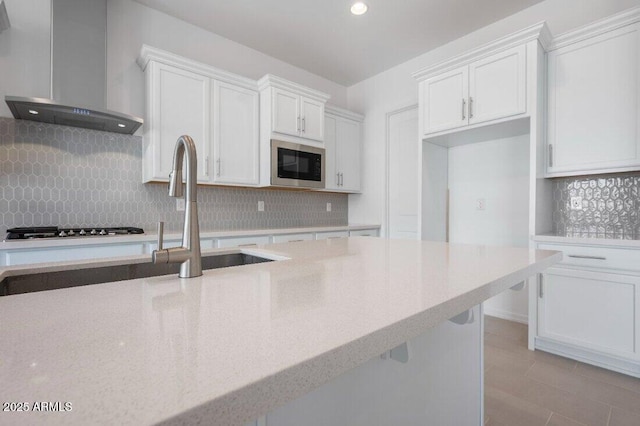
(189, 254)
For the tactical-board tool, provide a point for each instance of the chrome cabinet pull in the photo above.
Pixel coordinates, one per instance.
(541, 288)
(218, 171)
(304, 124)
(580, 256)
(295, 241)
(206, 166)
(341, 179)
(464, 105)
(550, 155)
(337, 179)
(470, 107)
(298, 129)
(247, 245)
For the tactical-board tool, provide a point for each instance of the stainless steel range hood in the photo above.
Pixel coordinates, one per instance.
(78, 72)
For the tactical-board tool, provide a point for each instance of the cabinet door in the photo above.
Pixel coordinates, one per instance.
(331, 176)
(590, 309)
(312, 113)
(497, 86)
(235, 134)
(594, 104)
(180, 106)
(285, 112)
(444, 100)
(348, 154)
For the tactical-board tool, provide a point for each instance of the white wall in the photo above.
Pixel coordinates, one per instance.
(25, 53)
(131, 24)
(25, 66)
(496, 172)
(395, 88)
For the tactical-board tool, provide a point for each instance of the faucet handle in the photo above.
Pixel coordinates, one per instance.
(160, 234)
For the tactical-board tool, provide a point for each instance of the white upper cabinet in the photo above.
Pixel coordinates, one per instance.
(219, 110)
(291, 112)
(312, 118)
(343, 148)
(286, 112)
(177, 104)
(484, 86)
(488, 89)
(445, 98)
(235, 134)
(497, 86)
(594, 102)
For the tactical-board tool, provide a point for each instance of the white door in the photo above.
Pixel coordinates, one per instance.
(286, 112)
(331, 176)
(497, 86)
(348, 154)
(180, 106)
(445, 101)
(594, 113)
(404, 176)
(312, 124)
(590, 309)
(235, 134)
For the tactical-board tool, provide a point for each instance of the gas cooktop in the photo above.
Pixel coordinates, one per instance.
(55, 232)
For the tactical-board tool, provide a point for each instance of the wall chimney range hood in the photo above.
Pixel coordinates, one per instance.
(78, 73)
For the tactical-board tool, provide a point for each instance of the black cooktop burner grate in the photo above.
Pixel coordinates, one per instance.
(28, 233)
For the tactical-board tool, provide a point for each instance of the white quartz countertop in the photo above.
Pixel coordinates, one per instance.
(237, 342)
(610, 242)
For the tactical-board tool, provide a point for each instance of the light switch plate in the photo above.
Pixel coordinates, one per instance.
(180, 204)
(260, 206)
(328, 207)
(481, 204)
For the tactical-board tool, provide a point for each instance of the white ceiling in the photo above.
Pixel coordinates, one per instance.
(323, 37)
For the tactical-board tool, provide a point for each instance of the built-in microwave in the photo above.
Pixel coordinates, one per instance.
(297, 165)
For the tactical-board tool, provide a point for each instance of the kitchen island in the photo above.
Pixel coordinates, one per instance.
(237, 343)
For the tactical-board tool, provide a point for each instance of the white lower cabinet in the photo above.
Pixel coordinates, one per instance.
(591, 312)
(590, 309)
(440, 384)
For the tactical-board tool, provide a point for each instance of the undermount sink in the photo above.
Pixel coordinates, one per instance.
(32, 282)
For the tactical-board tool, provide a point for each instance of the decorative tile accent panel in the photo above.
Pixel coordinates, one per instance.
(610, 206)
(56, 175)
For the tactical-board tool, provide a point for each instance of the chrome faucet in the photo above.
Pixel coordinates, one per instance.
(189, 253)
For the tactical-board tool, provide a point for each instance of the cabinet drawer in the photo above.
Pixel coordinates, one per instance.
(364, 233)
(292, 238)
(597, 257)
(243, 241)
(331, 234)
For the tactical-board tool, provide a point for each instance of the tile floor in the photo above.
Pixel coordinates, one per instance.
(525, 388)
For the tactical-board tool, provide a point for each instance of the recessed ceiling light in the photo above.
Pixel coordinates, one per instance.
(33, 111)
(121, 125)
(359, 8)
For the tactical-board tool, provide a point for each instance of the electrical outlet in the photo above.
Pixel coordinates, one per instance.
(180, 204)
(481, 204)
(328, 207)
(260, 206)
(576, 203)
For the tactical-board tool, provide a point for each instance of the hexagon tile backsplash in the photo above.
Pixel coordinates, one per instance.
(609, 206)
(56, 175)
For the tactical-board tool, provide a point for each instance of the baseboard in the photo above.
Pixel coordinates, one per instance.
(624, 366)
(511, 316)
